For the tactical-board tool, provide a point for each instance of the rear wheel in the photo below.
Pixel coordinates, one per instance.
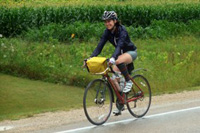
(139, 107)
(97, 102)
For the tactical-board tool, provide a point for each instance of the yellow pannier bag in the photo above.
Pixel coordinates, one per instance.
(96, 64)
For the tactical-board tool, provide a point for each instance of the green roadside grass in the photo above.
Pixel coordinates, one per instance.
(20, 97)
(173, 63)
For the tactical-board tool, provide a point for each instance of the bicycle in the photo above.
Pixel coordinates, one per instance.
(99, 97)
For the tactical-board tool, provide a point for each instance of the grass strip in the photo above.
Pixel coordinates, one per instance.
(22, 97)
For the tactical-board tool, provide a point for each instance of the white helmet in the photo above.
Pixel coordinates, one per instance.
(109, 15)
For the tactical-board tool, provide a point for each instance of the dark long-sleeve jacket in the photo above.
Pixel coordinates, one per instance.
(120, 40)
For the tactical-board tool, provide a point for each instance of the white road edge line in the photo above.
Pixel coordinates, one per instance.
(5, 128)
(127, 120)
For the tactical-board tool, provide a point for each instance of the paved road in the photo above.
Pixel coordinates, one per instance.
(183, 117)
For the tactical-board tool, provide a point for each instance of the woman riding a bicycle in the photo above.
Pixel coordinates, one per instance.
(99, 93)
(125, 51)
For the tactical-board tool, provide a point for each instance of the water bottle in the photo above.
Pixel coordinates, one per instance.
(116, 80)
(122, 82)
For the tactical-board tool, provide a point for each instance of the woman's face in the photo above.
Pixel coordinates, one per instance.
(110, 23)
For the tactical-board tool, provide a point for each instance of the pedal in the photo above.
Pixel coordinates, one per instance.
(116, 114)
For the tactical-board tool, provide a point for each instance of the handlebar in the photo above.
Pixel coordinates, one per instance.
(111, 69)
(109, 66)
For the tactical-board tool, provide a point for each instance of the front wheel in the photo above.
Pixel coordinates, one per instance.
(97, 102)
(141, 91)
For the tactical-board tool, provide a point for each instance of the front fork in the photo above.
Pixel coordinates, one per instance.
(102, 93)
(101, 100)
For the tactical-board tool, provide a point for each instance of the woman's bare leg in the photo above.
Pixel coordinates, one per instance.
(124, 58)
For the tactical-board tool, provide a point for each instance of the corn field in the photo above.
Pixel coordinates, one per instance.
(15, 20)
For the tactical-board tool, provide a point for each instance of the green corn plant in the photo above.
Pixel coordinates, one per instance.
(15, 20)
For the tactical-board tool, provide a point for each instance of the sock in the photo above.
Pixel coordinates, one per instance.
(122, 67)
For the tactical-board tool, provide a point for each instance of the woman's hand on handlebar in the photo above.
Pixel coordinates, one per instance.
(112, 61)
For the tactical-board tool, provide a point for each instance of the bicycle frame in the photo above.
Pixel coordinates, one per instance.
(97, 96)
(122, 98)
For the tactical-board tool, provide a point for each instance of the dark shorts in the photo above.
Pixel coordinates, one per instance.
(133, 54)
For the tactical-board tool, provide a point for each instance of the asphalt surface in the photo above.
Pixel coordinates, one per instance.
(180, 117)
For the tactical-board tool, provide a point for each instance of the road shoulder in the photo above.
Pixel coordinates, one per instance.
(59, 118)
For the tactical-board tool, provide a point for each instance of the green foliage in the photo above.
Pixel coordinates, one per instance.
(57, 3)
(53, 63)
(93, 31)
(172, 63)
(15, 20)
(163, 29)
(64, 33)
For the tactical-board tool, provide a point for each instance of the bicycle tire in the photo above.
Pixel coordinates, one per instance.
(88, 109)
(144, 82)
